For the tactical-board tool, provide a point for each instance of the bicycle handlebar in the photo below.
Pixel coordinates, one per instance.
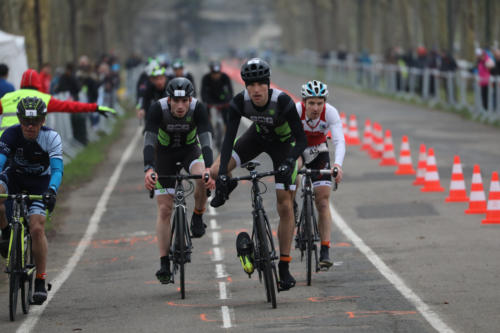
(178, 176)
(256, 175)
(333, 172)
(21, 196)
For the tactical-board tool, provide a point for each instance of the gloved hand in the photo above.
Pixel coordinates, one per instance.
(49, 199)
(104, 111)
(221, 191)
(286, 168)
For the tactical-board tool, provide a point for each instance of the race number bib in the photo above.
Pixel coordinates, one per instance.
(310, 153)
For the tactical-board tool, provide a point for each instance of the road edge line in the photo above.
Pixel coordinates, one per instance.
(85, 241)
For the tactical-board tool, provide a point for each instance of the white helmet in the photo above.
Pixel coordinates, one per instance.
(314, 89)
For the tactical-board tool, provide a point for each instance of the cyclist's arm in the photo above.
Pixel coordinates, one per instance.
(204, 133)
(153, 121)
(146, 100)
(295, 124)
(54, 149)
(3, 159)
(333, 119)
(56, 105)
(230, 87)
(231, 130)
(204, 89)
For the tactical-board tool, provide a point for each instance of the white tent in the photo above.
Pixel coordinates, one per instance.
(13, 54)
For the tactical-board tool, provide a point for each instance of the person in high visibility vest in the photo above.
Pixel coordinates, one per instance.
(31, 86)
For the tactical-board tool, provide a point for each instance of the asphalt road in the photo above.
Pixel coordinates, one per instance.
(397, 244)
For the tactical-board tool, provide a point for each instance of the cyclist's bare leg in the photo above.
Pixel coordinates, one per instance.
(200, 192)
(287, 220)
(163, 229)
(322, 195)
(39, 241)
(214, 169)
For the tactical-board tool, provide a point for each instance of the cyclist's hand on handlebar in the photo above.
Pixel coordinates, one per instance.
(221, 191)
(210, 183)
(149, 182)
(338, 179)
(49, 199)
(286, 168)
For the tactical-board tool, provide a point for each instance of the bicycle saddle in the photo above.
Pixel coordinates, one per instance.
(251, 165)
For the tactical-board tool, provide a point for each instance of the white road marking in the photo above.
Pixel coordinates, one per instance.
(222, 290)
(85, 241)
(226, 317)
(217, 254)
(220, 271)
(215, 238)
(213, 224)
(432, 317)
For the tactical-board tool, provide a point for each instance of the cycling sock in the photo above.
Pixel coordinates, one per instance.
(325, 243)
(199, 212)
(285, 258)
(41, 276)
(165, 263)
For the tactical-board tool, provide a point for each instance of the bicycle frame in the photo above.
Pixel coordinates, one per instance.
(179, 215)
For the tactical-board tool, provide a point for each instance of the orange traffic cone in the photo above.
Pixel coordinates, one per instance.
(493, 209)
(422, 164)
(432, 183)
(378, 143)
(388, 157)
(477, 202)
(405, 166)
(457, 185)
(344, 126)
(353, 137)
(367, 136)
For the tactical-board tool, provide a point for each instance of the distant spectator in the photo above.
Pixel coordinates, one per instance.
(45, 77)
(68, 83)
(484, 64)
(5, 86)
(87, 81)
(495, 71)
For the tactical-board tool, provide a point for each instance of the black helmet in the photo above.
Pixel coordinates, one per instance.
(31, 107)
(180, 87)
(255, 70)
(214, 66)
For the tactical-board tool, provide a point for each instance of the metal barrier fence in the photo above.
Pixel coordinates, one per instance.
(457, 90)
(93, 123)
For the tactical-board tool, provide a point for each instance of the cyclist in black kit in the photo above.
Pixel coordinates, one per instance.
(277, 131)
(155, 89)
(172, 125)
(178, 69)
(216, 89)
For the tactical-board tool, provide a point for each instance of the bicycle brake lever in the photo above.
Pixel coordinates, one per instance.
(334, 174)
(152, 192)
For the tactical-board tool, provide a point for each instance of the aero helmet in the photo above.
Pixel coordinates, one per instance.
(180, 87)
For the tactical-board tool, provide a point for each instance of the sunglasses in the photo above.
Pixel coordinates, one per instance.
(35, 121)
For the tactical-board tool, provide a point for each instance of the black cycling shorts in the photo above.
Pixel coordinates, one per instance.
(166, 160)
(14, 182)
(251, 144)
(322, 161)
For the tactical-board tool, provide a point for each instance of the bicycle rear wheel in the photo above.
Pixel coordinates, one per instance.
(181, 247)
(27, 280)
(264, 245)
(14, 268)
(308, 237)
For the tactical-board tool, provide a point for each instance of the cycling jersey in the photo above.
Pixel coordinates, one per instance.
(41, 157)
(216, 91)
(317, 129)
(166, 132)
(151, 95)
(276, 122)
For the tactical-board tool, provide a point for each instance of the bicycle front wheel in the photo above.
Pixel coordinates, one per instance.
(14, 268)
(308, 237)
(265, 257)
(27, 281)
(180, 238)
